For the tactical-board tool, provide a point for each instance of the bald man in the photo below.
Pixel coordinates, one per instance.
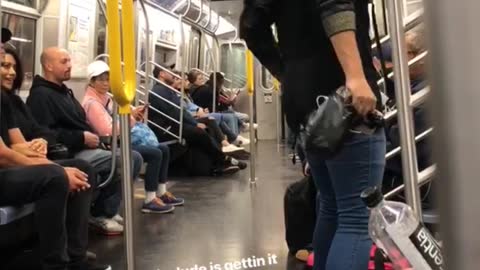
(54, 106)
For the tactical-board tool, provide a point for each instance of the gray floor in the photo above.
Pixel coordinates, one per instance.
(223, 221)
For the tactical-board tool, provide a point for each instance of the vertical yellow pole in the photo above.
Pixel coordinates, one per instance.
(124, 93)
(251, 91)
(128, 31)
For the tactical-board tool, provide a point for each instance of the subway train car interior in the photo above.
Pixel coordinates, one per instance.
(162, 134)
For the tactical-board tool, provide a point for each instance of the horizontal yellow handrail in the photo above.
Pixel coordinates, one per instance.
(250, 73)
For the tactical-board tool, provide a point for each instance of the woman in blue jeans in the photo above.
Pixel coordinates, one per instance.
(341, 232)
(98, 108)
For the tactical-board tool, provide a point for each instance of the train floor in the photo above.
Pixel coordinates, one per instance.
(224, 221)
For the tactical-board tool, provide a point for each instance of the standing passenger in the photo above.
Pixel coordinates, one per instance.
(323, 45)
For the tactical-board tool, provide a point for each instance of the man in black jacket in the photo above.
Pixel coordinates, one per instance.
(323, 45)
(54, 106)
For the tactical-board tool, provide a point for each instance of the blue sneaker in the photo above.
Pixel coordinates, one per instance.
(168, 198)
(157, 206)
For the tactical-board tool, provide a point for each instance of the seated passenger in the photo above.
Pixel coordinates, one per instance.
(54, 106)
(228, 122)
(98, 107)
(203, 97)
(62, 196)
(193, 132)
(225, 123)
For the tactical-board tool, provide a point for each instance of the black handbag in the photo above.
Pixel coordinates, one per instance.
(58, 152)
(328, 126)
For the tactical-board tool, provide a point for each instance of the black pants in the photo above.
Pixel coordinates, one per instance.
(61, 218)
(213, 130)
(200, 138)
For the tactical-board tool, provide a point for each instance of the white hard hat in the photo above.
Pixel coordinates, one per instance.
(97, 68)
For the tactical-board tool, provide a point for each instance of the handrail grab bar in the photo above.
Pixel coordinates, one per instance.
(418, 138)
(416, 99)
(423, 177)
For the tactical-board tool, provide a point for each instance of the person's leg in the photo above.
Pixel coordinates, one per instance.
(359, 165)
(231, 136)
(162, 193)
(326, 222)
(213, 130)
(78, 213)
(47, 187)
(154, 159)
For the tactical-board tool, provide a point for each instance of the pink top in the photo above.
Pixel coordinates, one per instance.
(98, 108)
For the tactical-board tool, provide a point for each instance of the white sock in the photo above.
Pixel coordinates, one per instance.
(149, 196)
(162, 188)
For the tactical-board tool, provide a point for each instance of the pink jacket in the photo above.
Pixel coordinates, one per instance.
(98, 108)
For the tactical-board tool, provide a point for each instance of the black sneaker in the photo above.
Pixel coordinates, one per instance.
(242, 165)
(94, 266)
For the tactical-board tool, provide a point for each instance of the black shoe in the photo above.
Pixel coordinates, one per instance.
(240, 164)
(240, 155)
(226, 170)
(93, 266)
(91, 256)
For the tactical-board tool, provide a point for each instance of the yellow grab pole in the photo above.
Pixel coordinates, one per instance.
(128, 31)
(124, 93)
(251, 91)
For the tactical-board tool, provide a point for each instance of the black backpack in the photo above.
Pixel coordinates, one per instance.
(299, 210)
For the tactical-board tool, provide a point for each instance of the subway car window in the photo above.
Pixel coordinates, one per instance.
(233, 64)
(28, 3)
(194, 48)
(23, 41)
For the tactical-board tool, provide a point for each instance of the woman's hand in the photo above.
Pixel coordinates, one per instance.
(26, 150)
(39, 145)
(138, 112)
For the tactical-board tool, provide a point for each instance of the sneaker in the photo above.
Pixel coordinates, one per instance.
(230, 149)
(118, 219)
(106, 226)
(240, 155)
(94, 266)
(241, 141)
(168, 198)
(227, 170)
(240, 164)
(246, 126)
(91, 256)
(157, 206)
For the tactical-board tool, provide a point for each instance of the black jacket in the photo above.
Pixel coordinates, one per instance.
(55, 107)
(303, 59)
(26, 123)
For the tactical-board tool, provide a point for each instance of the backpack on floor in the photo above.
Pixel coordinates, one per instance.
(191, 162)
(299, 210)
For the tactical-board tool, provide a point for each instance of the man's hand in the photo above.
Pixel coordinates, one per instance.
(202, 126)
(77, 180)
(39, 145)
(363, 99)
(91, 140)
(26, 150)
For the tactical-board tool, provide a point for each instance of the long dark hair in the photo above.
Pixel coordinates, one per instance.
(17, 83)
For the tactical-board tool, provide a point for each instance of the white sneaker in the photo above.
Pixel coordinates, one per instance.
(107, 226)
(118, 219)
(231, 148)
(246, 126)
(241, 141)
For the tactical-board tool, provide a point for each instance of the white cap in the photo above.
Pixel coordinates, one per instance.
(97, 68)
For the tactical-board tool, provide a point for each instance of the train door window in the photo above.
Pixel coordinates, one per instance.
(233, 65)
(28, 3)
(194, 49)
(267, 79)
(23, 42)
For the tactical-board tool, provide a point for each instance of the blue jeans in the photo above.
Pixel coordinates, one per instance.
(229, 119)
(341, 240)
(107, 203)
(157, 159)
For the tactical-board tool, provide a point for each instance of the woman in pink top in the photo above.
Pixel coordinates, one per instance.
(98, 107)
